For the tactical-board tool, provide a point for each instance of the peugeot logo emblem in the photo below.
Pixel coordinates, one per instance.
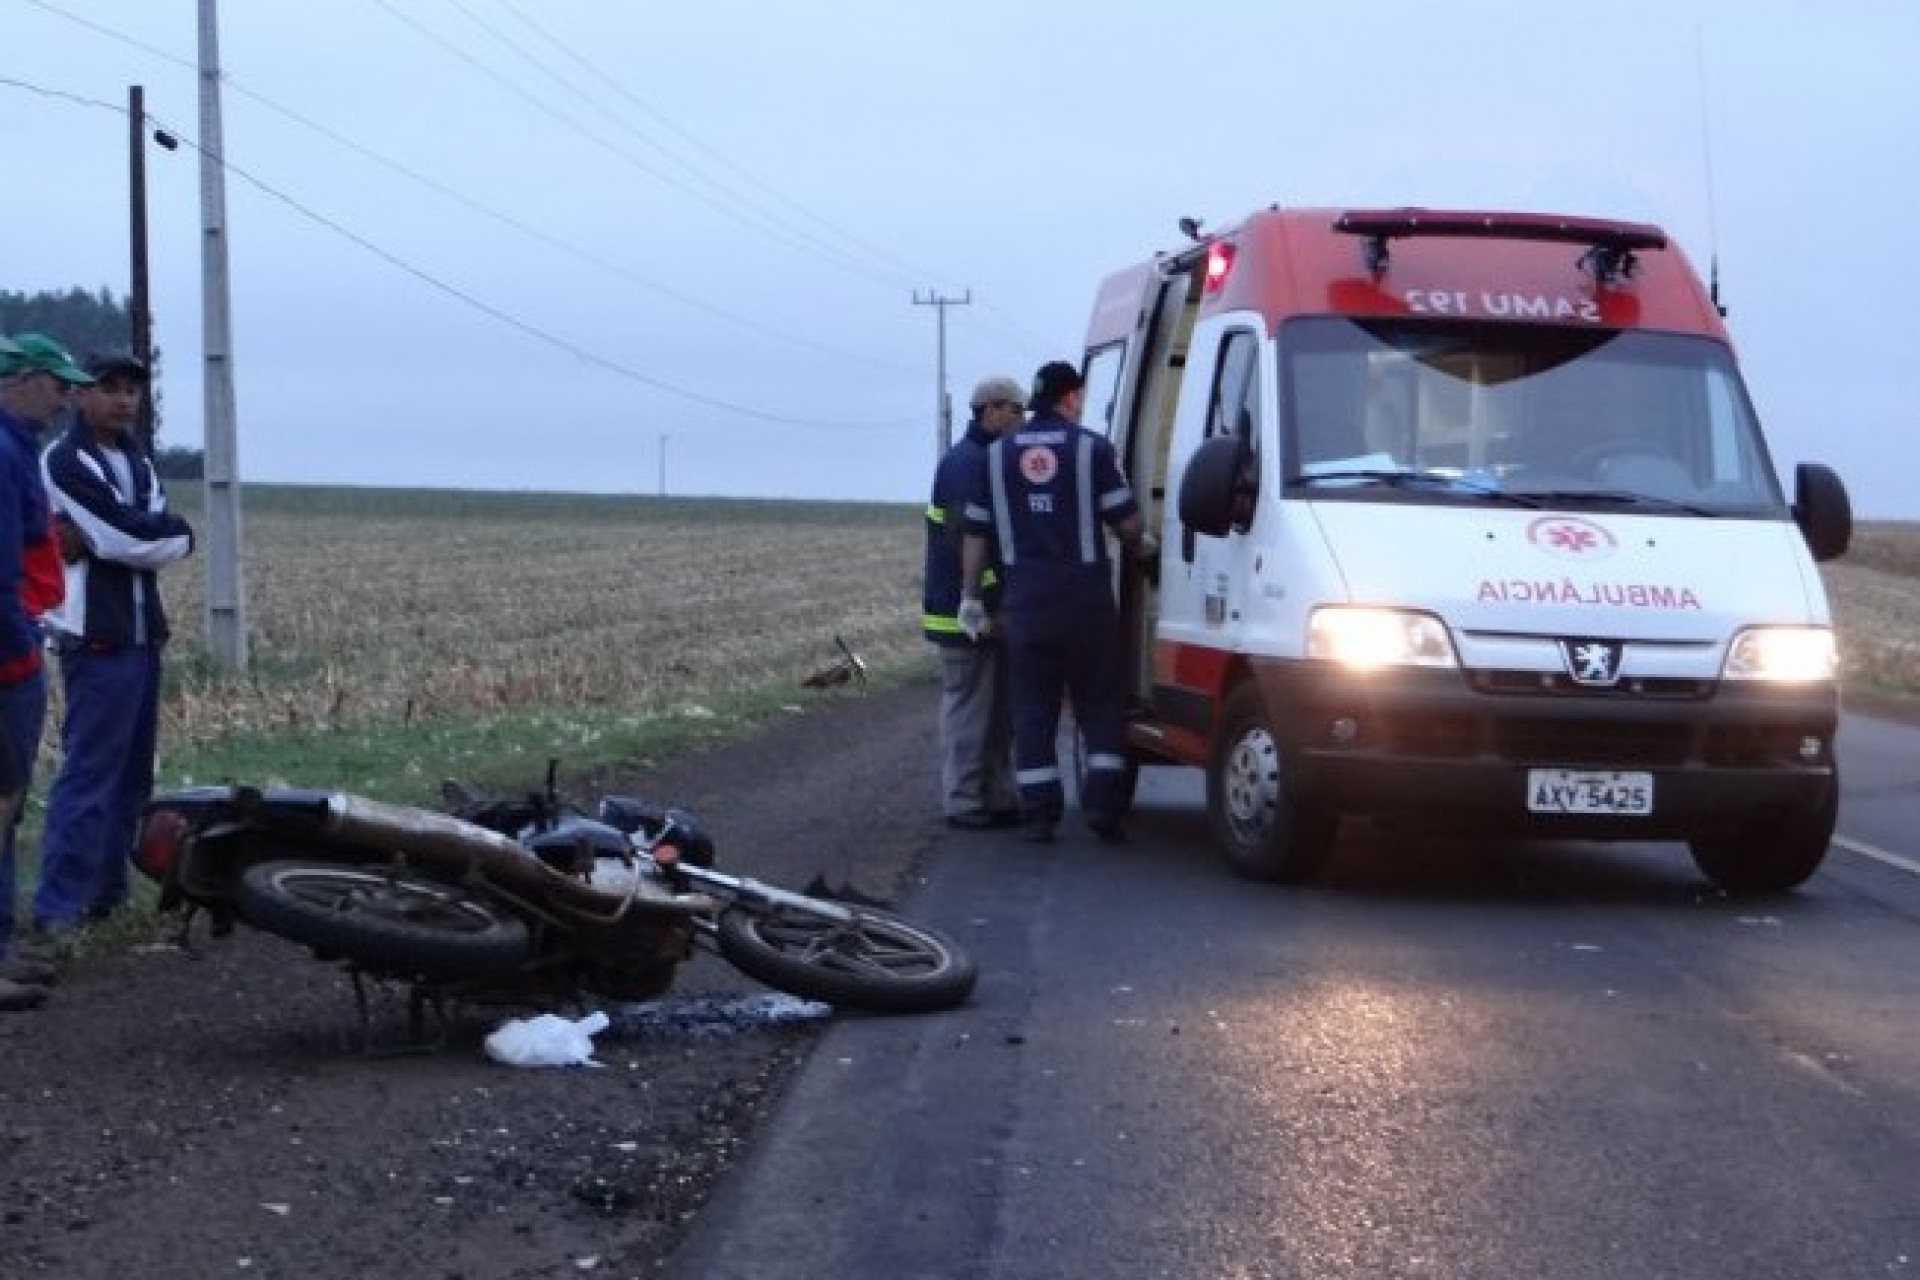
(1594, 662)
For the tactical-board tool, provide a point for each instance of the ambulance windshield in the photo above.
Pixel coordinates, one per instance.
(1535, 413)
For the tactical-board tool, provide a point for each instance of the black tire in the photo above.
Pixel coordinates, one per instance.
(1770, 855)
(388, 922)
(879, 963)
(1264, 832)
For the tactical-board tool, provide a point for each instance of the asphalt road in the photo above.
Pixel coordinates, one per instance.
(1448, 1061)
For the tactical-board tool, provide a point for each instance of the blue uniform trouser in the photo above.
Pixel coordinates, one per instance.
(23, 714)
(113, 708)
(1075, 652)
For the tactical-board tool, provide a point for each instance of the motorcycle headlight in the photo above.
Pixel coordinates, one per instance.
(1788, 655)
(1370, 637)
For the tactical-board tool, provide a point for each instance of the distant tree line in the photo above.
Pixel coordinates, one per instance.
(83, 321)
(87, 322)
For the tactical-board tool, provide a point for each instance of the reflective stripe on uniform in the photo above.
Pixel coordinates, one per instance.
(1083, 512)
(936, 514)
(1034, 777)
(1103, 760)
(1002, 521)
(944, 623)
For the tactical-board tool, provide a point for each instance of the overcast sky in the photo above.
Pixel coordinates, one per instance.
(587, 245)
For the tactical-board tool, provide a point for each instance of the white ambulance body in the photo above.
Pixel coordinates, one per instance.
(1467, 522)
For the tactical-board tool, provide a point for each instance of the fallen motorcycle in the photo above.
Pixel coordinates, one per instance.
(521, 901)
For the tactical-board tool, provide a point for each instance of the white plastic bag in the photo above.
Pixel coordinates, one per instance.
(546, 1041)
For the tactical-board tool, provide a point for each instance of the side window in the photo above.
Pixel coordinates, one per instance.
(1234, 407)
(1103, 387)
(1234, 410)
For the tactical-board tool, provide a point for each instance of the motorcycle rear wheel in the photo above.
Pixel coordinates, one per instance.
(878, 963)
(388, 922)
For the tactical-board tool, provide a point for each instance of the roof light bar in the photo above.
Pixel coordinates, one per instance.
(1612, 244)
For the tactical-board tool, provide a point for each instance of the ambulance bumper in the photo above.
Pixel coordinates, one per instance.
(1709, 757)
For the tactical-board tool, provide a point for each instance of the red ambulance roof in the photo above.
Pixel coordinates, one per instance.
(1460, 264)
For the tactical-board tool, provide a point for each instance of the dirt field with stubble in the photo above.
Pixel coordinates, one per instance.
(175, 1115)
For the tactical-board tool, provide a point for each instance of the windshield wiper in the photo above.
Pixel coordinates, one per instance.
(1624, 497)
(1422, 481)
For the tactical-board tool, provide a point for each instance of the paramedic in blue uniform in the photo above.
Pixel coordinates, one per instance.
(109, 634)
(976, 718)
(1046, 493)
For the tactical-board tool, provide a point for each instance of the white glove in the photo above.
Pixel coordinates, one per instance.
(1149, 546)
(973, 617)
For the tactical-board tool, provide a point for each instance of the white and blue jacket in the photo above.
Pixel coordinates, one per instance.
(113, 595)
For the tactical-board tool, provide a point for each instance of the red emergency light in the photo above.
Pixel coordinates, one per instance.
(1219, 263)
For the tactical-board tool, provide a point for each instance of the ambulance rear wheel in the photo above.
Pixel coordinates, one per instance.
(1264, 832)
(1770, 855)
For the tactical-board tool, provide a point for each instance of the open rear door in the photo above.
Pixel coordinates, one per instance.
(1136, 358)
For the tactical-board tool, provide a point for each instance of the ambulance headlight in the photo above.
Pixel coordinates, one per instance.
(1789, 655)
(1367, 638)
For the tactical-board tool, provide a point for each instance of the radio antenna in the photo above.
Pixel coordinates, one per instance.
(1706, 161)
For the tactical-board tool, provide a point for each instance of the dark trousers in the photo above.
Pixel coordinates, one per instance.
(23, 714)
(1073, 653)
(112, 719)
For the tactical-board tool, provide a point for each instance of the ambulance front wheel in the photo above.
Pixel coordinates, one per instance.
(1770, 855)
(1264, 832)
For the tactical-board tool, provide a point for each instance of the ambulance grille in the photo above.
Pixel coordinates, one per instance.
(1588, 742)
(1536, 683)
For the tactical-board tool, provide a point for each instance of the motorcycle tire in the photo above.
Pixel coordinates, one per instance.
(879, 963)
(391, 923)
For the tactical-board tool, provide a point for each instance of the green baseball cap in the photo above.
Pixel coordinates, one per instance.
(37, 353)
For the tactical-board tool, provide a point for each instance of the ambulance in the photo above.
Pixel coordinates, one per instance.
(1467, 524)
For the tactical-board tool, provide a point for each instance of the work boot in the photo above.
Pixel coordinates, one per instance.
(18, 997)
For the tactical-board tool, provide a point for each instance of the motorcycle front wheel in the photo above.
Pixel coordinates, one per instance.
(388, 922)
(878, 962)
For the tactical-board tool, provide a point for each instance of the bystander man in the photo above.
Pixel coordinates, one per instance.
(109, 634)
(36, 375)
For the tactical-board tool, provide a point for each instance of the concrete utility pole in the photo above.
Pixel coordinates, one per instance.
(943, 404)
(226, 600)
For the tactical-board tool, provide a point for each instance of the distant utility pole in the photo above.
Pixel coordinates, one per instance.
(142, 318)
(943, 404)
(663, 464)
(226, 601)
(140, 321)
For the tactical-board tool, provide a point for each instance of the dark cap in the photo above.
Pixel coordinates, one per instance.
(117, 364)
(1055, 379)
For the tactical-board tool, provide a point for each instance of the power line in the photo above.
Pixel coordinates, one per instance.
(453, 291)
(474, 205)
(905, 269)
(746, 218)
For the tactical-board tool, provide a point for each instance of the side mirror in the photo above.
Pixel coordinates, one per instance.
(1822, 510)
(1207, 489)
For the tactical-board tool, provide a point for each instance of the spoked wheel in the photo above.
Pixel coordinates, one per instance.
(386, 921)
(876, 962)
